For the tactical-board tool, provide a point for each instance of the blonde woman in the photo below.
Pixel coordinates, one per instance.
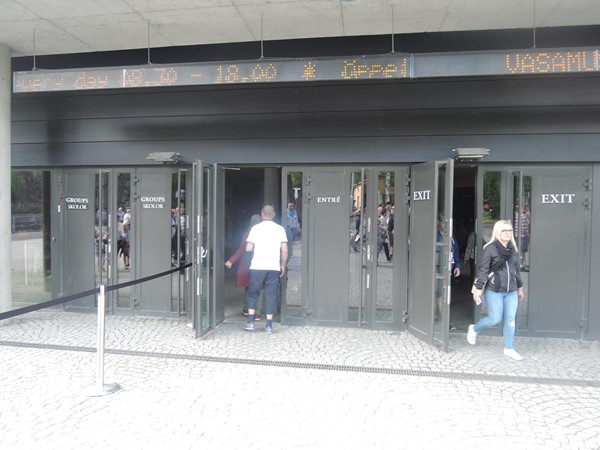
(499, 274)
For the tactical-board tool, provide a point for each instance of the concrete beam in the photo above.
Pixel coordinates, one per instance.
(5, 172)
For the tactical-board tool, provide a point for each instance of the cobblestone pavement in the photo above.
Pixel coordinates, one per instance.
(299, 388)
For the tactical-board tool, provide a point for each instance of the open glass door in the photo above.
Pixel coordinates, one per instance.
(430, 251)
(203, 245)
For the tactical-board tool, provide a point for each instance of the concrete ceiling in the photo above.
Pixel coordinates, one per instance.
(76, 26)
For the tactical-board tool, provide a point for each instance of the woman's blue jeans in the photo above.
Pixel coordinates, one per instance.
(501, 304)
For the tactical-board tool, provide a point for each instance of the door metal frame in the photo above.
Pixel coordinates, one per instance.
(287, 318)
(423, 278)
(207, 248)
(366, 254)
(112, 296)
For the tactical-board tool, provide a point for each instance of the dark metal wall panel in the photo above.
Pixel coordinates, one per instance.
(397, 95)
(558, 148)
(384, 123)
(546, 119)
(593, 329)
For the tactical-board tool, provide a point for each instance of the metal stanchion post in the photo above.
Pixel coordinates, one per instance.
(100, 388)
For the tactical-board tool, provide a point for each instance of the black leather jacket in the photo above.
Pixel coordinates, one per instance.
(506, 279)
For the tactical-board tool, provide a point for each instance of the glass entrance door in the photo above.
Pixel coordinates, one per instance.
(543, 203)
(118, 225)
(205, 257)
(430, 251)
(342, 269)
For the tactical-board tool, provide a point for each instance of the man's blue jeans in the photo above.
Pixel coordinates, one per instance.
(270, 279)
(501, 304)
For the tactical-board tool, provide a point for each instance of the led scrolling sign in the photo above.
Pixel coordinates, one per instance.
(393, 66)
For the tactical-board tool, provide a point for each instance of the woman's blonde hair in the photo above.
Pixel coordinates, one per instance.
(498, 226)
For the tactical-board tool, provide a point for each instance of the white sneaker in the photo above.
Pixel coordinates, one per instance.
(511, 353)
(472, 335)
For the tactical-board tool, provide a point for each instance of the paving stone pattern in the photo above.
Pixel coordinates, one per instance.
(299, 388)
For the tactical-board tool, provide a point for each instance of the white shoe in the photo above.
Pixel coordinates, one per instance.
(472, 335)
(511, 353)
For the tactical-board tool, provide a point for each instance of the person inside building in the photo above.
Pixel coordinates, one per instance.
(470, 253)
(354, 230)
(293, 225)
(126, 243)
(390, 227)
(455, 265)
(127, 216)
(267, 242)
(382, 233)
(499, 274)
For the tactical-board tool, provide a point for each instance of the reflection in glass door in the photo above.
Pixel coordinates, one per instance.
(347, 217)
(124, 239)
(292, 286)
(384, 276)
(31, 235)
(371, 246)
(359, 248)
(149, 222)
(113, 226)
(102, 228)
(180, 245)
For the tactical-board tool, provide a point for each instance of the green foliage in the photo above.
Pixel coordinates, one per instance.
(491, 196)
(296, 179)
(26, 191)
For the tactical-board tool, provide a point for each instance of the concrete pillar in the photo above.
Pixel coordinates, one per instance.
(5, 176)
(271, 190)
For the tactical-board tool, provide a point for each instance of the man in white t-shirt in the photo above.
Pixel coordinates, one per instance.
(268, 241)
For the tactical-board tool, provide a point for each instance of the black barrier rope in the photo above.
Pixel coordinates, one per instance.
(68, 298)
(148, 278)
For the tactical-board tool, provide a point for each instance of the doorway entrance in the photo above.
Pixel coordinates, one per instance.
(349, 260)
(245, 190)
(462, 308)
(116, 225)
